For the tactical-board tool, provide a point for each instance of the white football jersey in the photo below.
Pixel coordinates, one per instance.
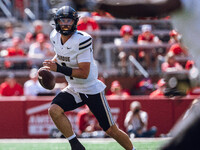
(77, 49)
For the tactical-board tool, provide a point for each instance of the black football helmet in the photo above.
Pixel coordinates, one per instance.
(66, 12)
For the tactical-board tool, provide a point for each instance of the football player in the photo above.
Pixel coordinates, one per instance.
(74, 59)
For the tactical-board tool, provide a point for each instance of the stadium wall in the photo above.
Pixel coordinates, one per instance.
(27, 117)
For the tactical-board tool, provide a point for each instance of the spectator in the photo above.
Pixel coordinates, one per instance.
(32, 87)
(145, 38)
(9, 31)
(14, 51)
(176, 46)
(178, 49)
(87, 123)
(126, 33)
(171, 64)
(175, 37)
(143, 87)
(31, 37)
(6, 39)
(160, 88)
(40, 49)
(102, 13)
(88, 24)
(11, 87)
(117, 91)
(194, 78)
(136, 122)
(189, 65)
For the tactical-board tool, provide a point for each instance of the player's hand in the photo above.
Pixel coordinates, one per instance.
(50, 65)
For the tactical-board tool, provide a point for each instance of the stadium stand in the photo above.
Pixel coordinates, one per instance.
(109, 29)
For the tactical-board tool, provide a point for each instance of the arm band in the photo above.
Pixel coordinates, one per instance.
(64, 69)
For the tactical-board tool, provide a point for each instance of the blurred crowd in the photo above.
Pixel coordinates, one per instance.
(19, 51)
(138, 48)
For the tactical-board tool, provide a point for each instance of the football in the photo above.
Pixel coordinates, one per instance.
(46, 79)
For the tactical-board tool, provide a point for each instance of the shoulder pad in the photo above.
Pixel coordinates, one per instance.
(85, 41)
(80, 33)
(53, 34)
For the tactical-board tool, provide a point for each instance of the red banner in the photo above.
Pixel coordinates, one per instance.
(27, 117)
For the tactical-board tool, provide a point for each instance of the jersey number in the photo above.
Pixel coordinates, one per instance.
(63, 64)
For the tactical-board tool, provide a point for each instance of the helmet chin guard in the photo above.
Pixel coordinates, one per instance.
(66, 12)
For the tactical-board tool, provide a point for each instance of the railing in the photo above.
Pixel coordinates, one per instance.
(116, 32)
(138, 21)
(20, 72)
(108, 52)
(108, 46)
(5, 9)
(111, 34)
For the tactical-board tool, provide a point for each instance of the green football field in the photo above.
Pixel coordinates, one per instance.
(90, 144)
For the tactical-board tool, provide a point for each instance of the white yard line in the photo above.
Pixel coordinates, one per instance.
(85, 140)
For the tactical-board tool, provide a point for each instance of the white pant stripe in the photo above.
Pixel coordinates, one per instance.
(106, 102)
(107, 109)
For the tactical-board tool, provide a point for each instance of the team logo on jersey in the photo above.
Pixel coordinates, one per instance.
(63, 58)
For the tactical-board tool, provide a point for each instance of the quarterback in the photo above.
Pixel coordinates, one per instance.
(74, 59)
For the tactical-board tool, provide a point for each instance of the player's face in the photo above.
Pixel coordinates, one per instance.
(65, 23)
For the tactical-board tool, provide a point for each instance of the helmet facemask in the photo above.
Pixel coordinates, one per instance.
(65, 25)
(66, 20)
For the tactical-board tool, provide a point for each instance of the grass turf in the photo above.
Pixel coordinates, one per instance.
(89, 145)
